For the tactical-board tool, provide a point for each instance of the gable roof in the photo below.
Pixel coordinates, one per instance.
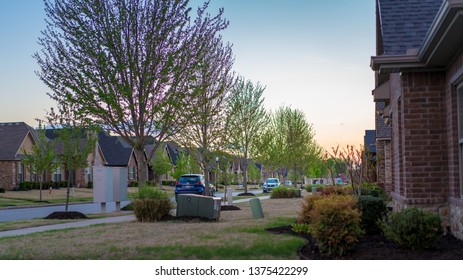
(404, 24)
(12, 136)
(116, 151)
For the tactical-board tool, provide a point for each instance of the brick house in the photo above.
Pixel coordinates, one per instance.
(15, 138)
(419, 95)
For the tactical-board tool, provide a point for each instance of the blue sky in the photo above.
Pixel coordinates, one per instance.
(311, 55)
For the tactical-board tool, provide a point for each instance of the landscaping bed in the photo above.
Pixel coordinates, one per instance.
(377, 247)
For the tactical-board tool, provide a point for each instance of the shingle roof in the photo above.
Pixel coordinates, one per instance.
(404, 23)
(115, 150)
(12, 136)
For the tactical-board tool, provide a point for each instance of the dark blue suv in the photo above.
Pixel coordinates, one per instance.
(190, 183)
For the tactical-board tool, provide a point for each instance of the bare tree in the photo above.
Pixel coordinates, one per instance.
(206, 129)
(126, 65)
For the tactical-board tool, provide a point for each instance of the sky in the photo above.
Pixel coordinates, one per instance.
(312, 55)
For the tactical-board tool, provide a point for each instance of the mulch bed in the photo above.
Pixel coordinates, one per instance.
(69, 215)
(246, 194)
(229, 208)
(377, 247)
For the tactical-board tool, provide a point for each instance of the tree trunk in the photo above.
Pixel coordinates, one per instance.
(68, 190)
(245, 175)
(40, 187)
(142, 163)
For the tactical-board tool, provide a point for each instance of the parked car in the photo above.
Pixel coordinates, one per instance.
(270, 184)
(288, 183)
(191, 184)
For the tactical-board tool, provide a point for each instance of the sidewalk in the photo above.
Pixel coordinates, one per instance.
(85, 223)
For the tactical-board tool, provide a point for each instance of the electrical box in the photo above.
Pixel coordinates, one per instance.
(192, 205)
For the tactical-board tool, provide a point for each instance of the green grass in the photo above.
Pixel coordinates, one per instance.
(12, 202)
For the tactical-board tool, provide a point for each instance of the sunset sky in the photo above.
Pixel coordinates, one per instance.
(311, 55)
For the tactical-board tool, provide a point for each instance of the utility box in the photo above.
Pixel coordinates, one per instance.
(192, 205)
(110, 185)
(209, 207)
(187, 205)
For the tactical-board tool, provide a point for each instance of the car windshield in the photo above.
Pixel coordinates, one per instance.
(189, 179)
(273, 181)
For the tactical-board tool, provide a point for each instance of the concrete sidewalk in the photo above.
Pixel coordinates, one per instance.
(85, 223)
(80, 223)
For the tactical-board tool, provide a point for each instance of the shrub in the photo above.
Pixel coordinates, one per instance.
(373, 212)
(329, 190)
(283, 192)
(413, 228)
(335, 223)
(307, 206)
(2, 190)
(151, 204)
(133, 184)
(90, 185)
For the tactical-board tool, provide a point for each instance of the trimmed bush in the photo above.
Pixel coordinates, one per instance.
(373, 212)
(307, 206)
(413, 228)
(284, 192)
(2, 190)
(335, 223)
(90, 185)
(151, 204)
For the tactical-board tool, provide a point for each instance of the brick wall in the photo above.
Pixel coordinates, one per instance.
(420, 140)
(8, 175)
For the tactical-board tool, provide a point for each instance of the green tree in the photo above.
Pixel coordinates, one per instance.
(160, 164)
(246, 118)
(76, 142)
(184, 165)
(298, 147)
(254, 173)
(42, 157)
(129, 66)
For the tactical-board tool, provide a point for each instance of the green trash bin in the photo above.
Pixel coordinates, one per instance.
(256, 208)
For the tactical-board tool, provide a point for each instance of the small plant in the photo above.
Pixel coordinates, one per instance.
(373, 212)
(335, 223)
(301, 228)
(151, 204)
(413, 228)
(283, 192)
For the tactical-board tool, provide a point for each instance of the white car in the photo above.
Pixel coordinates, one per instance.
(270, 184)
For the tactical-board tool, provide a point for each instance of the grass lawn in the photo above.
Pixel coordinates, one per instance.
(235, 236)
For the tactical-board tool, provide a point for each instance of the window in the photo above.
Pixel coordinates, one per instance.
(88, 174)
(132, 173)
(20, 173)
(57, 174)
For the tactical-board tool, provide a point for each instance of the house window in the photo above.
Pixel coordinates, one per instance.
(132, 173)
(460, 133)
(20, 173)
(57, 174)
(88, 174)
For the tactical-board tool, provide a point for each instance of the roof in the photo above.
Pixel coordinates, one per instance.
(115, 150)
(12, 136)
(405, 23)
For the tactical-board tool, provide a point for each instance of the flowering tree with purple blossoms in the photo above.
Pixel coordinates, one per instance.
(129, 66)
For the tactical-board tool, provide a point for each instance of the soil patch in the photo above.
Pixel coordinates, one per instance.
(378, 247)
(193, 219)
(229, 208)
(69, 215)
(246, 194)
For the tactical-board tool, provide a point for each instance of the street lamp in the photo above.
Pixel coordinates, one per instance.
(217, 171)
